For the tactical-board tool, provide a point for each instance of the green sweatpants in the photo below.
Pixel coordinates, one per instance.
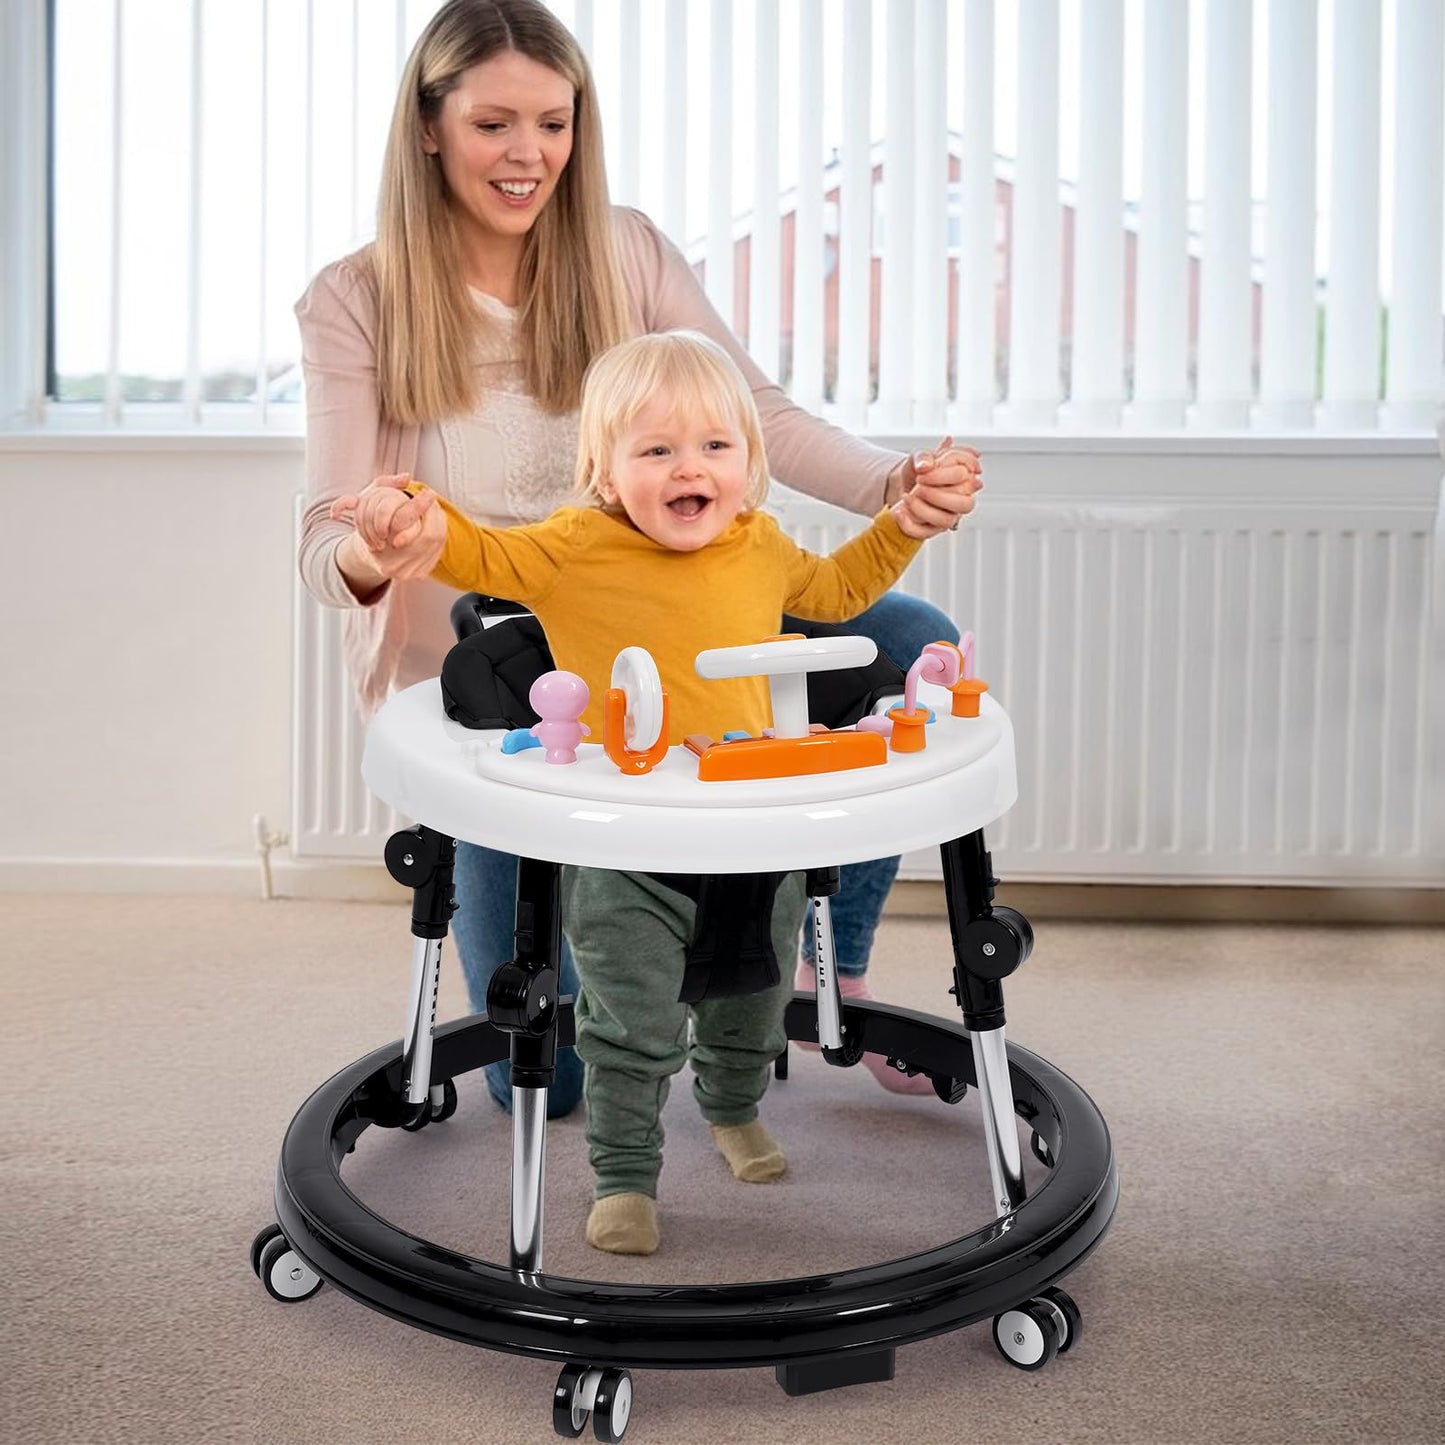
(629, 936)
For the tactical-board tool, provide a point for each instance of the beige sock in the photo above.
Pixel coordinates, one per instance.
(624, 1224)
(752, 1153)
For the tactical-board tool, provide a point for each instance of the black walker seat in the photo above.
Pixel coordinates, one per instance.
(819, 1331)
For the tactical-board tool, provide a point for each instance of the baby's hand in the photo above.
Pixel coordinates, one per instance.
(939, 488)
(403, 535)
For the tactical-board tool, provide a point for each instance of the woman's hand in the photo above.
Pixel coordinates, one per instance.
(398, 536)
(938, 488)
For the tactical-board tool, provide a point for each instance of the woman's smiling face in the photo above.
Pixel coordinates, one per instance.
(503, 137)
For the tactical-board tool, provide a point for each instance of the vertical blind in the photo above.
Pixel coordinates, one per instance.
(921, 215)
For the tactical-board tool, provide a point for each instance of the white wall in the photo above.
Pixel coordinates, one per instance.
(147, 594)
(145, 691)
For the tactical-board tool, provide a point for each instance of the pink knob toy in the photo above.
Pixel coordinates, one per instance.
(939, 662)
(559, 699)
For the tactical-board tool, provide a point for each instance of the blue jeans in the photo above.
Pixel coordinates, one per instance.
(483, 926)
(486, 881)
(902, 626)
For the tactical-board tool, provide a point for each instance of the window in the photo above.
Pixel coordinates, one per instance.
(1127, 214)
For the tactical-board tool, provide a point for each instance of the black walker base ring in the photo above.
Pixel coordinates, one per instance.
(771, 1322)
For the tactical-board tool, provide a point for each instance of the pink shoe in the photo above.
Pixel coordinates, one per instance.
(855, 986)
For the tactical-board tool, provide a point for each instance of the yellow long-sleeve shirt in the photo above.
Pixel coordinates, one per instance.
(598, 585)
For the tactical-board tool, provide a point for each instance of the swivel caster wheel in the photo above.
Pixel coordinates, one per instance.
(448, 1105)
(1062, 1301)
(263, 1237)
(1041, 1151)
(286, 1277)
(1029, 1337)
(780, 1064)
(848, 1053)
(613, 1407)
(437, 1108)
(581, 1391)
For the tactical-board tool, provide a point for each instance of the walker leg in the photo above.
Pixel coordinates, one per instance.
(420, 1021)
(822, 883)
(529, 1158)
(522, 1001)
(988, 944)
(1005, 1163)
(423, 860)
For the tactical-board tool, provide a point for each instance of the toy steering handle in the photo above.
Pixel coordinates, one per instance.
(785, 661)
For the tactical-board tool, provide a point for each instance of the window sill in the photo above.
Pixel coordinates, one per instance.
(289, 436)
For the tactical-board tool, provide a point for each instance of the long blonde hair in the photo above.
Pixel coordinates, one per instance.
(685, 368)
(572, 301)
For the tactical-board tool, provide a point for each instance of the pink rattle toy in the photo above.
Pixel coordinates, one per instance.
(559, 699)
(939, 662)
(967, 690)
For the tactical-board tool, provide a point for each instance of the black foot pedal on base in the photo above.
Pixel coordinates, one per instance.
(807, 1377)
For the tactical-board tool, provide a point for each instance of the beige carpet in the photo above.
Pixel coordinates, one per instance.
(1274, 1272)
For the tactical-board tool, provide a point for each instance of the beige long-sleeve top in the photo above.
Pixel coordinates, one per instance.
(508, 462)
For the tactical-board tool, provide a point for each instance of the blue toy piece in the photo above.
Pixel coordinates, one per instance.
(518, 740)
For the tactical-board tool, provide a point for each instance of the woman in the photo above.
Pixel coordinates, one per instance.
(453, 349)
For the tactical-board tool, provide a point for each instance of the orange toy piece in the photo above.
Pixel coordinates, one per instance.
(907, 735)
(820, 752)
(614, 737)
(966, 692)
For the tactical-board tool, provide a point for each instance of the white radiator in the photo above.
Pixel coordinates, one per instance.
(1204, 687)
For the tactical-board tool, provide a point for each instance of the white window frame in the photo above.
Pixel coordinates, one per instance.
(24, 318)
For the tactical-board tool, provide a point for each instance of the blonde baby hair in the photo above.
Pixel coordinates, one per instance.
(688, 368)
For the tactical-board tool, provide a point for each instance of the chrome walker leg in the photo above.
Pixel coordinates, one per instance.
(423, 860)
(529, 1158)
(522, 1001)
(421, 1020)
(989, 943)
(825, 976)
(1005, 1160)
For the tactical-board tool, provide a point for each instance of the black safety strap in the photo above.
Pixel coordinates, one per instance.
(731, 951)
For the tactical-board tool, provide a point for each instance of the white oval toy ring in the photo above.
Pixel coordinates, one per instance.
(635, 673)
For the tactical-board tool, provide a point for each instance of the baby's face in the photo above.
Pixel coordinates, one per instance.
(681, 479)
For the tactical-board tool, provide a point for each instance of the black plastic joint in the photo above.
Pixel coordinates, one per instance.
(981, 1000)
(522, 999)
(534, 1060)
(821, 882)
(423, 860)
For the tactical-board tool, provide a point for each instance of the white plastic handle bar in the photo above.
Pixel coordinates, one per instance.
(786, 664)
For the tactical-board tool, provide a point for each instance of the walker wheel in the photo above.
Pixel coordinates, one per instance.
(285, 1276)
(448, 1105)
(569, 1414)
(614, 1406)
(1028, 1337)
(780, 1064)
(848, 1053)
(1063, 1301)
(262, 1239)
(435, 1112)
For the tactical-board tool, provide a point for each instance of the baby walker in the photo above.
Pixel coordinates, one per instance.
(933, 768)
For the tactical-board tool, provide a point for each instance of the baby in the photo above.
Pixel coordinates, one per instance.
(673, 555)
